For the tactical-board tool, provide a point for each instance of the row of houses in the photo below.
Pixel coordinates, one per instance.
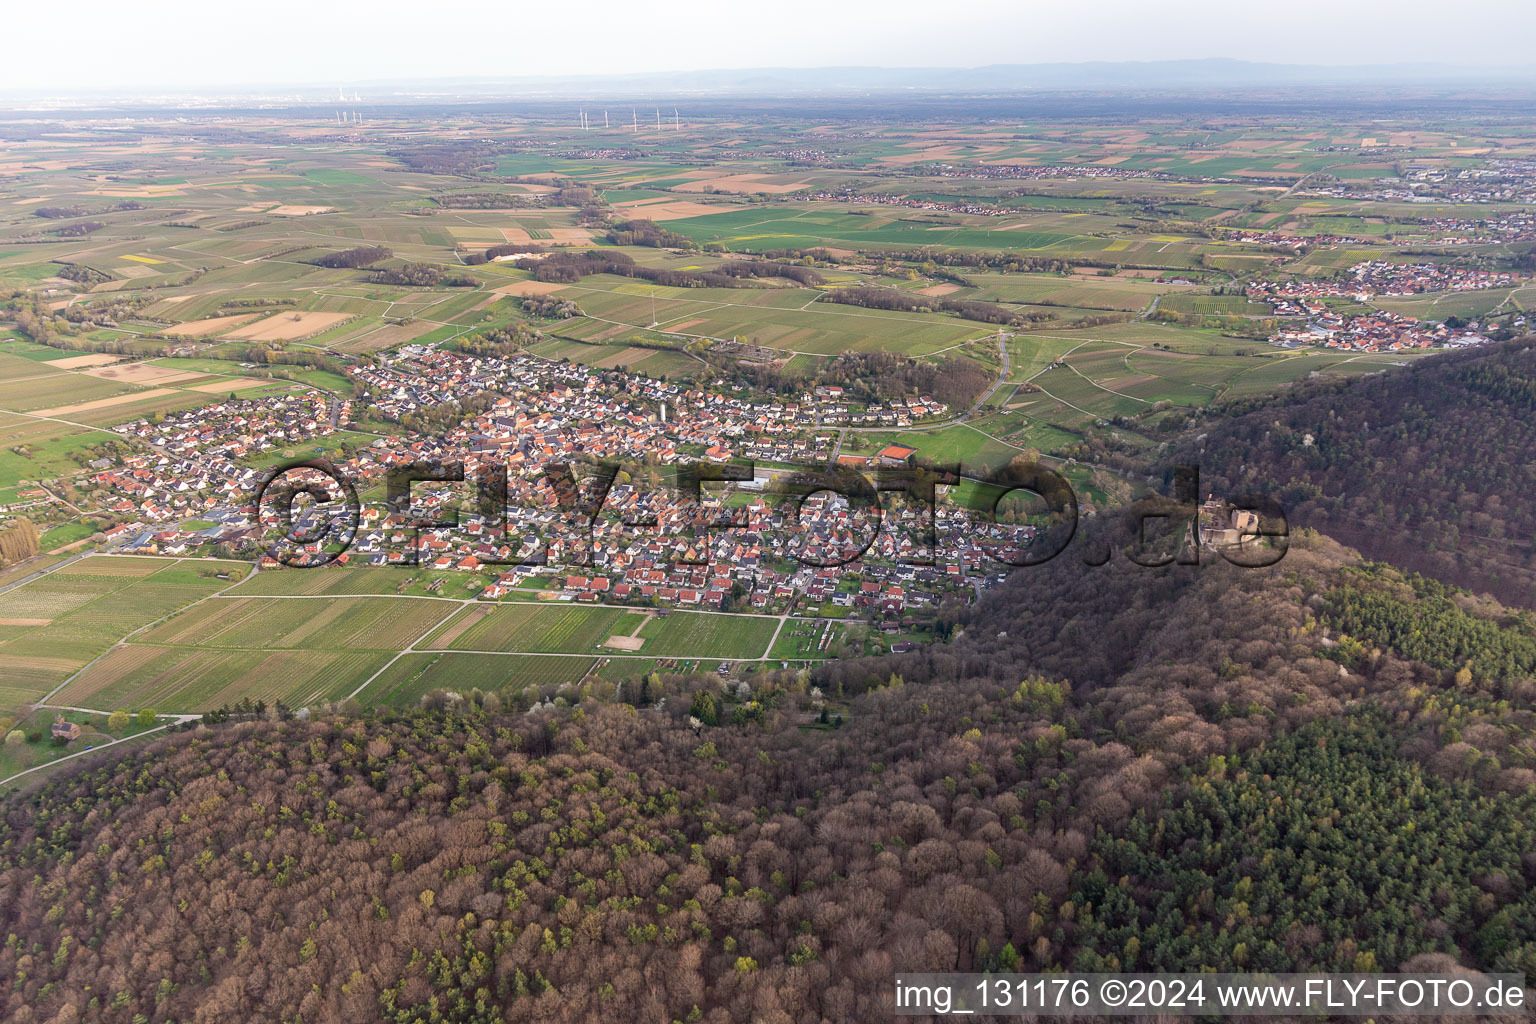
(191, 484)
(419, 378)
(1382, 278)
(1375, 332)
(1514, 226)
(692, 554)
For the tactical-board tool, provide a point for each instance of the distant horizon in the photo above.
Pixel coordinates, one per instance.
(181, 47)
(858, 80)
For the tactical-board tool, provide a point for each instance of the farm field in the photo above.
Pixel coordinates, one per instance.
(20, 570)
(787, 319)
(604, 752)
(1099, 293)
(700, 633)
(553, 628)
(1266, 377)
(52, 626)
(1123, 370)
(195, 679)
(620, 355)
(56, 391)
(806, 226)
(327, 623)
(1215, 305)
(309, 650)
(47, 448)
(353, 580)
(1462, 304)
(416, 674)
(1125, 291)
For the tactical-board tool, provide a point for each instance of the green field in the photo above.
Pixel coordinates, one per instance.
(94, 733)
(63, 620)
(194, 679)
(1084, 291)
(231, 228)
(356, 579)
(270, 623)
(805, 227)
(39, 449)
(700, 634)
(411, 677)
(806, 639)
(788, 319)
(1214, 305)
(55, 390)
(537, 629)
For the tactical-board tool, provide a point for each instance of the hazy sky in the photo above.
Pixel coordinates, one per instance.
(89, 44)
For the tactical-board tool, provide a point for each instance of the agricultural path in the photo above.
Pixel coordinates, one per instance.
(39, 574)
(177, 720)
(955, 421)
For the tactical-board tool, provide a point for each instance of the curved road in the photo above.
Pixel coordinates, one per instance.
(175, 721)
(1002, 378)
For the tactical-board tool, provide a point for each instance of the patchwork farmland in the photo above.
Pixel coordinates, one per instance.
(54, 625)
(182, 678)
(255, 623)
(1106, 271)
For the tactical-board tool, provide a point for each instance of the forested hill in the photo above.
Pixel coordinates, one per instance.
(1431, 467)
(1111, 767)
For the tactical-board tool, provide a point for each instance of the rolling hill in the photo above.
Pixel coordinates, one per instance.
(1105, 768)
(1428, 466)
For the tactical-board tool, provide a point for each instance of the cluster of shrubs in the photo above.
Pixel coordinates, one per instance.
(352, 259)
(422, 275)
(905, 302)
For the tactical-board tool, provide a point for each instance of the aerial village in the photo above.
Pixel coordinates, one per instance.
(739, 546)
(1317, 323)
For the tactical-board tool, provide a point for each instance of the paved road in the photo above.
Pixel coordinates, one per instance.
(144, 628)
(40, 573)
(1002, 375)
(1002, 378)
(177, 720)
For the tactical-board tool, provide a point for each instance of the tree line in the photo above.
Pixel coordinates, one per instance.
(1109, 766)
(869, 376)
(352, 259)
(422, 275)
(909, 302)
(18, 541)
(1334, 454)
(571, 267)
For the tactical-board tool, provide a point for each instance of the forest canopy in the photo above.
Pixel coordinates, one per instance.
(1426, 467)
(1099, 755)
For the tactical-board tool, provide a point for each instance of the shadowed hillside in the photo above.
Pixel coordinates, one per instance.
(1101, 754)
(1429, 467)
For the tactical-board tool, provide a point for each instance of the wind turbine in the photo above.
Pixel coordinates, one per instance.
(677, 125)
(636, 118)
(605, 120)
(658, 119)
